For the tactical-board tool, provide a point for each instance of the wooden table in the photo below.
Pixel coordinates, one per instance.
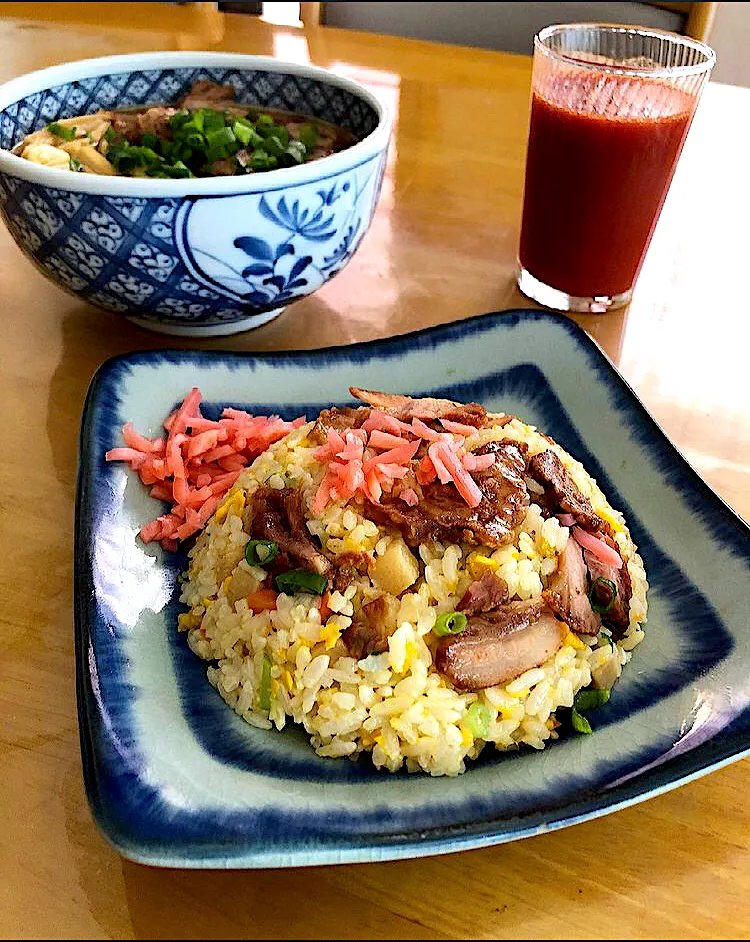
(442, 247)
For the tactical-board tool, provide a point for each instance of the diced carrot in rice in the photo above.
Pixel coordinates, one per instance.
(263, 600)
(325, 609)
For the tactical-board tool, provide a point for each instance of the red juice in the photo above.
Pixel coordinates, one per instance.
(599, 164)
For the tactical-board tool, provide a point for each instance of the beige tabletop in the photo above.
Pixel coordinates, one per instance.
(442, 246)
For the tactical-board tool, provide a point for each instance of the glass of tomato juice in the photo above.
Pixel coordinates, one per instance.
(610, 109)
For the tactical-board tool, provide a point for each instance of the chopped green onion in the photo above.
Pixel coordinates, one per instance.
(246, 133)
(125, 156)
(177, 171)
(213, 121)
(242, 134)
(61, 130)
(452, 623)
(300, 580)
(149, 156)
(589, 699)
(267, 128)
(295, 150)
(200, 139)
(183, 152)
(75, 164)
(309, 135)
(478, 718)
(272, 145)
(179, 120)
(196, 123)
(260, 160)
(221, 138)
(194, 141)
(264, 691)
(261, 552)
(216, 153)
(602, 595)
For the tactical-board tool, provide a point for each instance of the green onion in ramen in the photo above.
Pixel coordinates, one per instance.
(205, 134)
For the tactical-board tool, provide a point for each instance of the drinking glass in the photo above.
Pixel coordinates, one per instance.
(610, 109)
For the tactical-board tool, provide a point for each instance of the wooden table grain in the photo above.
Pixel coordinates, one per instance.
(442, 246)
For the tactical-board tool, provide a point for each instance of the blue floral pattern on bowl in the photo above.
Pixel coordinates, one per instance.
(301, 236)
(196, 264)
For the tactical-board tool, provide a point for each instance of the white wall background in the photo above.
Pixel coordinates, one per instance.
(730, 38)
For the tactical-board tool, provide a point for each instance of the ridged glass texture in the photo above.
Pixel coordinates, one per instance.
(649, 80)
(654, 60)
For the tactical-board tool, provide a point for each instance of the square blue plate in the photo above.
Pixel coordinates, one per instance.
(175, 778)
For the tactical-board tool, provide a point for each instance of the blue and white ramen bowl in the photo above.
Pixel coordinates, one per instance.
(194, 257)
